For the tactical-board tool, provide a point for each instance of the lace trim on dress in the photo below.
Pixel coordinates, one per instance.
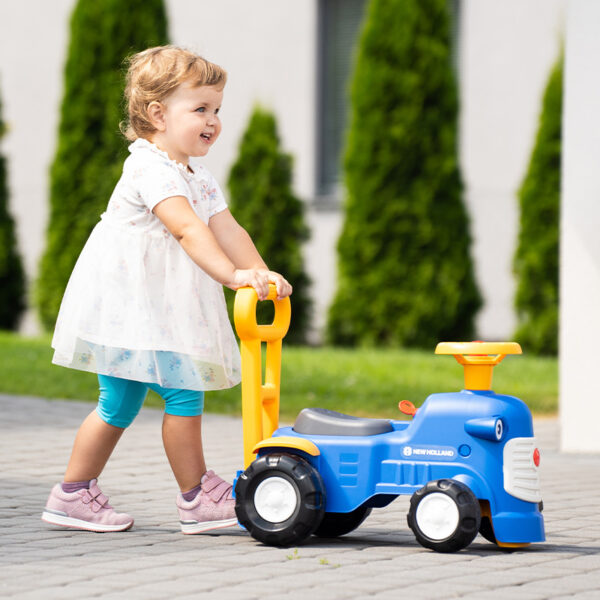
(144, 143)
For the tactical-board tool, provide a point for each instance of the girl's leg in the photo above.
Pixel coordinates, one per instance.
(182, 434)
(82, 505)
(93, 446)
(209, 503)
(182, 438)
(119, 403)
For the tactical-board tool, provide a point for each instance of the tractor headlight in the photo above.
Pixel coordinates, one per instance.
(487, 428)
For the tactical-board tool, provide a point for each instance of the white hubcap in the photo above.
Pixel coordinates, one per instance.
(275, 499)
(437, 516)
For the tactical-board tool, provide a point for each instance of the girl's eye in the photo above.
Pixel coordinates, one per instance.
(200, 109)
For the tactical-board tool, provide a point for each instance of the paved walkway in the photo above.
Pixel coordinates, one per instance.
(154, 560)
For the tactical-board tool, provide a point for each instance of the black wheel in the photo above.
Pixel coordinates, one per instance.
(336, 524)
(444, 515)
(486, 530)
(280, 499)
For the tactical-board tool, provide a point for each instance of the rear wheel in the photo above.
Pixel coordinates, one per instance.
(280, 499)
(336, 524)
(444, 515)
(486, 530)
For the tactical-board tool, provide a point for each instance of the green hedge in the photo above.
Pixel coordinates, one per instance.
(262, 201)
(90, 150)
(12, 276)
(537, 254)
(405, 271)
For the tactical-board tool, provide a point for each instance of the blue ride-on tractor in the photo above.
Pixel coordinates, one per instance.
(468, 459)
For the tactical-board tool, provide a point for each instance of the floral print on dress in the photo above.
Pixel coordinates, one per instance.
(209, 194)
(122, 356)
(85, 359)
(208, 375)
(174, 362)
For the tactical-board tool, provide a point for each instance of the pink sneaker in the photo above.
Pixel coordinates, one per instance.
(212, 508)
(84, 509)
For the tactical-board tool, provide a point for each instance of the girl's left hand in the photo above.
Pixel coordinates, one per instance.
(284, 289)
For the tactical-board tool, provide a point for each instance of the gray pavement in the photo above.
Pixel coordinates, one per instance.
(154, 560)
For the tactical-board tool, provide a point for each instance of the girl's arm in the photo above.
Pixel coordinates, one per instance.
(235, 241)
(199, 242)
(239, 247)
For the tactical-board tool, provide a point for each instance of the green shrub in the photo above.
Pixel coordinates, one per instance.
(12, 276)
(262, 201)
(536, 257)
(405, 275)
(90, 150)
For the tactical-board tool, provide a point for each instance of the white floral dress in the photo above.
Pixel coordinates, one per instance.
(136, 305)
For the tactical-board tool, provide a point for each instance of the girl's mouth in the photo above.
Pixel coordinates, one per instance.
(206, 136)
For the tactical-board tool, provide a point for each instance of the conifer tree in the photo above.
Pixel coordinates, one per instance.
(405, 275)
(262, 201)
(90, 150)
(536, 257)
(12, 276)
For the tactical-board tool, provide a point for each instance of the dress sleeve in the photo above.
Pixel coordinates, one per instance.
(157, 181)
(217, 201)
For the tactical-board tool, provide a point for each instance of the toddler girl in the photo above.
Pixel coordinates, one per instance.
(144, 307)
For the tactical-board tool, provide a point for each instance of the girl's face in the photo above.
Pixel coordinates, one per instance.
(188, 124)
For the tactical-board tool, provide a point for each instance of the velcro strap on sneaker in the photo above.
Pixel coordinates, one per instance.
(97, 499)
(216, 488)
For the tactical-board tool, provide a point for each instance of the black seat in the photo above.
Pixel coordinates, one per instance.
(320, 421)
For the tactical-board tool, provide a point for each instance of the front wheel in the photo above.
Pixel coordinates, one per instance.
(444, 515)
(280, 499)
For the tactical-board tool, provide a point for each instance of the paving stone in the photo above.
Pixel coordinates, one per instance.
(380, 560)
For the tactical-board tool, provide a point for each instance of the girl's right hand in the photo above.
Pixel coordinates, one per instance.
(256, 278)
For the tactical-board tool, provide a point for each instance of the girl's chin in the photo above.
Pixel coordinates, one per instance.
(202, 150)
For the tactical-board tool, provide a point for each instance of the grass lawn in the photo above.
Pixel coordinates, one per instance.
(365, 382)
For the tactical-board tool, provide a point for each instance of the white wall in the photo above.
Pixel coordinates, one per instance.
(507, 50)
(580, 241)
(33, 36)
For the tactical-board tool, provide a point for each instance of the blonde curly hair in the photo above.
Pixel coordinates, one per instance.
(153, 74)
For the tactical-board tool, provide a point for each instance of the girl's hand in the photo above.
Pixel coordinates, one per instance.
(256, 278)
(259, 279)
(284, 288)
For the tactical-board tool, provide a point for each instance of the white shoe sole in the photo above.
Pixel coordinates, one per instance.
(64, 521)
(191, 527)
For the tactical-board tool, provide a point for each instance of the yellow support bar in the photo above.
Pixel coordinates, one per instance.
(260, 401)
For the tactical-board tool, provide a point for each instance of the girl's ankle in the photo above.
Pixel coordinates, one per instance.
(74, 486)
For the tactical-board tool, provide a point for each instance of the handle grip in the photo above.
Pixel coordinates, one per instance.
(244, 316)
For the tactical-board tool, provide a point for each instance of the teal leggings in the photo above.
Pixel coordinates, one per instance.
(121, 400)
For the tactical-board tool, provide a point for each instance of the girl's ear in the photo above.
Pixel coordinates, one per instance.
(156, 115)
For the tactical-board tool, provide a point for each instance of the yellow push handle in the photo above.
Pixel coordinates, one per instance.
(260, 402)
(478, 359)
